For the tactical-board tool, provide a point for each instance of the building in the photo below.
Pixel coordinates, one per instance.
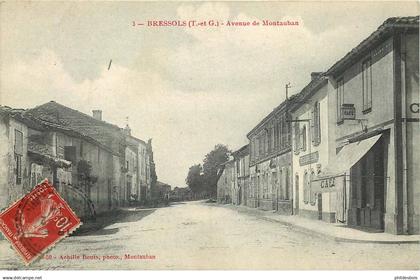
(164, 191)
(312, 119)
(375, 91)
(271, 162)
(14, 175)
(226, 182)
(241, 186)
(123, 157)
(181, 194)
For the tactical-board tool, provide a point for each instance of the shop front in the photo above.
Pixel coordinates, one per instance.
(357, 176)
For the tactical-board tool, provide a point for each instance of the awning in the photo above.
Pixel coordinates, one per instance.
(344, 160)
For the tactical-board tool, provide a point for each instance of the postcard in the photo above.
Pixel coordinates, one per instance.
(209, 135)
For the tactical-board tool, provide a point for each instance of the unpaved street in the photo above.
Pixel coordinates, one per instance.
(197, 235)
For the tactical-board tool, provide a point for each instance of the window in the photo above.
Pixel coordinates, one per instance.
(288, 130)
(316, 124)
(297, 137)
(81, 149)
(70, 153)
(340, 99)
(18, 161)
(303, 138)
(367, 85)
(18, 155)
(269, 139)
(266, 141)
(312, 195)
(286, 184)
(281, 191)
(283, 132)
(305, 188)
(59, 146)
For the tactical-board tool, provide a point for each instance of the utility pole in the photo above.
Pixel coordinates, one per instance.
(287, 90)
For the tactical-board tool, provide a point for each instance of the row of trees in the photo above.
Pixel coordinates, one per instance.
(202, 178)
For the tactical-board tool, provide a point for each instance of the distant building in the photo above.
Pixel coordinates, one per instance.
(241, 189)
(271, 161)
(226, 183)
(181, 194)
(164, 191)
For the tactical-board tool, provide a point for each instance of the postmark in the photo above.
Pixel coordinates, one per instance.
(37, 221)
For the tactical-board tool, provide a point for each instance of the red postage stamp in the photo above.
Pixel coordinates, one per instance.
(38, 221)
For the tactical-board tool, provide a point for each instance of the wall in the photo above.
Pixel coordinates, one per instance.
(382, 91)
(412, 133)
(10, 190)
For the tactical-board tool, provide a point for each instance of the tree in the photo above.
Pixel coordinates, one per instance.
(211, 164)
(194, 178)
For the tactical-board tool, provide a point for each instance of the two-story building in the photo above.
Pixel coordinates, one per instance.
(127, 166)
(241, 187)
(270, 162)
(375, 92)
(226, 182)
(313, 146)
(14, 179)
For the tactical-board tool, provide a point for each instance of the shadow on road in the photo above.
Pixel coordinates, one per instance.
(97, 226)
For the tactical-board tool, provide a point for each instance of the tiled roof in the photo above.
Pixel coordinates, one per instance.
(55, 115)
(243, 151)
(383, 30)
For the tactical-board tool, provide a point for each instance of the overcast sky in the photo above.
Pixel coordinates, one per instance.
(188, 89)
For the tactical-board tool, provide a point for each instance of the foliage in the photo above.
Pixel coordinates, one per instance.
(211, 164)
(195, 178)
(203, 178)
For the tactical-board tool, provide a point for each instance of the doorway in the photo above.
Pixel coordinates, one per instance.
(368, 190)
(297, 194)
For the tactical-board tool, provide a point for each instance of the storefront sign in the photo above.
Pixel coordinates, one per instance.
(415, 108)
(348, 112)
(309, 158)
(330, 184)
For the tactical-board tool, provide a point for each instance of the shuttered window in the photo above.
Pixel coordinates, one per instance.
(316, 124)
(305, 188)
(340, 99)
(297, 137)
(367, 85)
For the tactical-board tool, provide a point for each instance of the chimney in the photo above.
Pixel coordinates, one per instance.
(127, 130)
(315, 75)
(97, 114)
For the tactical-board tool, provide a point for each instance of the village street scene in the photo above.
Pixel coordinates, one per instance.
(322, 177)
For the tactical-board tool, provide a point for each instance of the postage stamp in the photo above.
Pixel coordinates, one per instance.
(37, 221)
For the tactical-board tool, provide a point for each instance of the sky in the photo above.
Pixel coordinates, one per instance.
(186, 88)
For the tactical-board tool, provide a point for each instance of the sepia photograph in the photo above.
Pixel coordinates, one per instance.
(209, 135)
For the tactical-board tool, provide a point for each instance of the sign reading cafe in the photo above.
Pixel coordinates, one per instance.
(328, 184)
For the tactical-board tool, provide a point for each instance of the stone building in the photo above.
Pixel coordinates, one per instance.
(271, 162)
(241, 187)
(226, 182)
(14, 173)
(115, 159)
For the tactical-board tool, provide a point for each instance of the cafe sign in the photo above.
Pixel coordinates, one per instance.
(329, 184)
(348, 112)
